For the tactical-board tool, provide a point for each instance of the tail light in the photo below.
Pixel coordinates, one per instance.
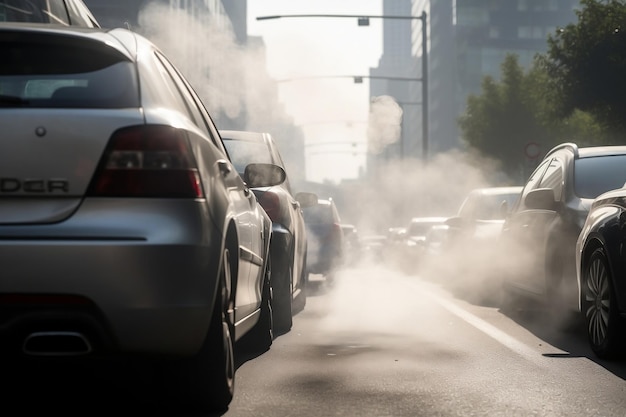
(147, 161)
(270, 203)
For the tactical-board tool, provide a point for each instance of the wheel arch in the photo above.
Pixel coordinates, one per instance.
(593, 243)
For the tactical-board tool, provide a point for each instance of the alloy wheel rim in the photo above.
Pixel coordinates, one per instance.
(598, 302)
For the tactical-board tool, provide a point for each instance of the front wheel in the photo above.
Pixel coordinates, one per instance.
(599, 307)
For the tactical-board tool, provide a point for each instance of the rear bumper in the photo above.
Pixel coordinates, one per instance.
(132, 283)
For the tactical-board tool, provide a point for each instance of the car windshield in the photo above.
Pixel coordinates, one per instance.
(46, 72)
(319, 214)
(243, 153)
(596, 175)
(487, 206)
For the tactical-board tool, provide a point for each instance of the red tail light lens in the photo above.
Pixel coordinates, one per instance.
(270, 203)
(147, 161)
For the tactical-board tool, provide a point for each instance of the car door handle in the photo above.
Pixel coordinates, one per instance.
(295, 204)
(224, 167)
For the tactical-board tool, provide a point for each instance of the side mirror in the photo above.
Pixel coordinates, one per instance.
(541, 199)
(306, 199)
(264, 175)
(456, 222)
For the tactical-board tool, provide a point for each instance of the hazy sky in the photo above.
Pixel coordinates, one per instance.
(332, 111)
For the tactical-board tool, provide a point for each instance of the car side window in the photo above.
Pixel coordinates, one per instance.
(172, 88)
(553, 178)
(532, 183)
(80, 15)
(181, 85)
(58, 12)
(208, 121)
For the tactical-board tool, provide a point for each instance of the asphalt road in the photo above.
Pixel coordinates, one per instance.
(377, 343)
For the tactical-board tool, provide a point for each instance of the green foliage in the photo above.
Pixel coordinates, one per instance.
(586, 64)
(501, 121)
(575, 92)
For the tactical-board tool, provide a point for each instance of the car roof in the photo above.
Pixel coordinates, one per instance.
(428, 219)
(245, 135)
(601, 151)
(498, 190)
(122, 39)
(324, 202)
(588, 151)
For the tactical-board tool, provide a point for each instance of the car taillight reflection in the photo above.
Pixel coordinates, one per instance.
(147, 161)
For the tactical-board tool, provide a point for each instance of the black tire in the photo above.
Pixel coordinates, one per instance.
(300, 301)
(599, 307)
(283, 308)
(261, 336)
(206, 381)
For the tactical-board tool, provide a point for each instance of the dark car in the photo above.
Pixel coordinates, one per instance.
(352, 244)
(59, 12)
(326, 240)
(125, 229)
(406, 247)
(539, 236)
(288, 247)
(601, 272)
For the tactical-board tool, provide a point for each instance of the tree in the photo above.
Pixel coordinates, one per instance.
(586, 63)
(501, 121)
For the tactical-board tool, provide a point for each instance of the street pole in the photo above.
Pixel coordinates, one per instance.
(424, 88)
(364, 21)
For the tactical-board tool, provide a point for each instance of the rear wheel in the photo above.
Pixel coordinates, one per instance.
(261, 336)
(300, 301)
(599, 307)
(206, 381)
(283, 309)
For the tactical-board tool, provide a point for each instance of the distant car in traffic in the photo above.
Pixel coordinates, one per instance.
(326, 246)
(125, 229)
(539, 236)
(352, 244)
(601, 274)
(288, 247)
(477, 226)
(408, 250)
(58, 12)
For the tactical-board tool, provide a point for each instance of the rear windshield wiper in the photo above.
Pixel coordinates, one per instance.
(10, 101)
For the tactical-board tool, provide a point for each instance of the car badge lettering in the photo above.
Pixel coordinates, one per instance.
(35, 185)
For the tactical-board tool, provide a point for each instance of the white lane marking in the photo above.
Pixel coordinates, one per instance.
(490, 330)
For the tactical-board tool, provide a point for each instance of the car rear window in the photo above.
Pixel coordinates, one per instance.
(243, 153)
(319, 214)
(50, 71)
(596, 175)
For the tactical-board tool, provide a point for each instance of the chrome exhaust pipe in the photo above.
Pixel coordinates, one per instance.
(56, 343)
